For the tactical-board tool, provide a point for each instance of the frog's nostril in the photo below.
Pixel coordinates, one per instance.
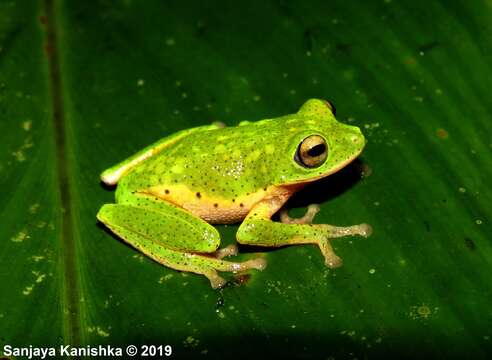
(355, 139)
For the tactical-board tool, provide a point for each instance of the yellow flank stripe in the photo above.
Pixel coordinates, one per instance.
(180, 194)
(214, 209)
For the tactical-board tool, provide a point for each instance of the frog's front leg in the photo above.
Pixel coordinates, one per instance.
(172, 237)
(258, 229)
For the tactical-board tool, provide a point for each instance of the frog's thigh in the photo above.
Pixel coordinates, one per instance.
(167, 226)
(170, 239)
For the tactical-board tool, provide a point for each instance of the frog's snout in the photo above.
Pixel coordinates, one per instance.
(355, 137)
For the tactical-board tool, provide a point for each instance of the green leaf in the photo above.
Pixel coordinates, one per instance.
(85, 84)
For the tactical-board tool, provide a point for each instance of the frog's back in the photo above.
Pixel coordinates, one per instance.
(228, 161)
(216, 174)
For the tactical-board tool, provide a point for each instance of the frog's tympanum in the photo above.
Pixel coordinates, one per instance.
(170, 193)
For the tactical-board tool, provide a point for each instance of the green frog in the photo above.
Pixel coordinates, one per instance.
(169, 193)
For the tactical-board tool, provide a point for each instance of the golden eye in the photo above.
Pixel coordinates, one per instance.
(312, 151)
(332, 107)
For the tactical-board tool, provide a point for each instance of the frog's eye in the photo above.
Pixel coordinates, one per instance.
(312, 151)
(332, 107)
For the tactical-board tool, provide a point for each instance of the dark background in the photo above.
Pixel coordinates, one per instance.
(85, 84)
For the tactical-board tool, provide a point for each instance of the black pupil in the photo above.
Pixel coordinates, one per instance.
(317, 150)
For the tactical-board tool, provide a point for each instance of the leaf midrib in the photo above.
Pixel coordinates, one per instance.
(70, 279)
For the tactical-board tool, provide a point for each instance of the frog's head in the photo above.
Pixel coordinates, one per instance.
(317, 144)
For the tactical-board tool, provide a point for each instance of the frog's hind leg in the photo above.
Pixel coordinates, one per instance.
(229, 250)
(173, 237)
(208, 266)
(198, 263)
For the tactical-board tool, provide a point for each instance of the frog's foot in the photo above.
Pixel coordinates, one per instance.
(198, 263)
(209, 266)
(364, 230)
(230, 250)
(331, 259)
(308, 217)
(216, 281)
